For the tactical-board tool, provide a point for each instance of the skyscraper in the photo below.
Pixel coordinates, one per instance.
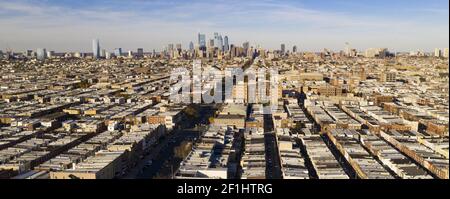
(201, 40)
(283, 48)
(103, 53)
(226, 45)
(140, 52)
(29, 53)
(50, 54)
(445, 52)
(233, 50)
(347, 49)
(211, 43)
(216, 40)
(108, 55)
(96, 48)
(118, 51)
(191, 46)
(41, 53)
(294, 49)
(220, 45)
(437, 52)
(246, 46)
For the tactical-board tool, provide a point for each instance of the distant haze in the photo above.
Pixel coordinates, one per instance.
(63, 25)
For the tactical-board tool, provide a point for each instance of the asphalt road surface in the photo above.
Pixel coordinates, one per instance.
(273, 165)
(160, 156)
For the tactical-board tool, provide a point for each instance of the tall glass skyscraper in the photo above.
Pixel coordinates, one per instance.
(191, 46)
(41, 53)
(226, 45)
(211, 43)
(140, 52)
(118, 52)
(201, 40)
(96, 48)
(220, 46)
(216, 40)
(246, 46)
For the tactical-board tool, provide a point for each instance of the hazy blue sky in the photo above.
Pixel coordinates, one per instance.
(63, 25)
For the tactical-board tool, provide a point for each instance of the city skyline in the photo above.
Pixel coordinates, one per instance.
(215, 90)
(65, 26)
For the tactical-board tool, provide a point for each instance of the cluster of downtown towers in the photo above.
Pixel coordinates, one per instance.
(218, 42)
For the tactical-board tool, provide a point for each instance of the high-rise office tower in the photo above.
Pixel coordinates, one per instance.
(50, 54)
(226, 45)
(191, 46)
(283, 48)
(445, 52)
(140, 52)
(220, 46)
(201, 40)
(294, 49)
(250, 52)
(108, 55)
(118, 51)
(103, 53)
(246, 46)
(437, 52)
(41, 53)
(347, 49)
(28, 53)
(232, 50)
(216, 40)
(96, 48)
(211, 43)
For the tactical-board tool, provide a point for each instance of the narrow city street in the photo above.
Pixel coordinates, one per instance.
(164, 160)
(161, 161)
(273, 165)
